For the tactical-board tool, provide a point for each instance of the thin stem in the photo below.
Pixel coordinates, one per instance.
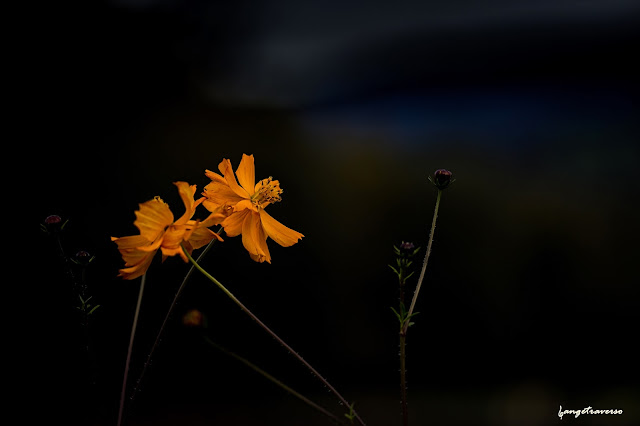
(274, 335)
(133, 333)
(274, 380)
(401, 281)
(136, 389)
(426, 260)
(403, 337)
(403, 379)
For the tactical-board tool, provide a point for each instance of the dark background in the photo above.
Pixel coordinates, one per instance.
(530, 299)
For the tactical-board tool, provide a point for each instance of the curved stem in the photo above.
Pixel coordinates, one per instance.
(136, 389)
(274, 335)
(426, 260)
(274, 380)
(131, 338)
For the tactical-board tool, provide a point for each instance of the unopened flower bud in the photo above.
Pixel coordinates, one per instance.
(405, 251)
(407, 246)
(442, 178)
(54, 219)
(52, 224)
(82, 258)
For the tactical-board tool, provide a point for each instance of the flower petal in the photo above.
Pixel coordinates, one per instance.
(173, 237)
(233, 224)
(214, 176)
(136, 261)
(244, 204)
(215, 218)
(278, 232)
(262, 245)
(139, 268)
(202, 236)
(226, 169)
(152, 218)
(187, 193)
(250, 234)
(172, 251)
(246, 173)
(130, 242)
(220, 194)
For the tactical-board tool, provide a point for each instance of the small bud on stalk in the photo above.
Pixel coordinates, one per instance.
(442, 178)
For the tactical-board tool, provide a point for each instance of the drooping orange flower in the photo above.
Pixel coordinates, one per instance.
(158, 230)
(244, 204)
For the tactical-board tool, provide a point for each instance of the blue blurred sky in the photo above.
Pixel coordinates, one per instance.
(290, 53)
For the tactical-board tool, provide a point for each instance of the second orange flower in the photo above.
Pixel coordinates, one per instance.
(158, 230)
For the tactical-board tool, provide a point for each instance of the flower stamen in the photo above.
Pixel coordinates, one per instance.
(267, 191)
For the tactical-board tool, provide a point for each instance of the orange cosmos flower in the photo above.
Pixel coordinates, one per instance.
(158, 230)
(244, 204)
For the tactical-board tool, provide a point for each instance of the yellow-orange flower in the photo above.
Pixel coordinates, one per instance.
(158, 230)
(244, 205)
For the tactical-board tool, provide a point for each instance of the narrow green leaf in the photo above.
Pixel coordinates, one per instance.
(397, 314)
(350, 415)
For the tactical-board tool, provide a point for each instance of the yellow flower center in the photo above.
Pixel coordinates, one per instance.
(267, 191)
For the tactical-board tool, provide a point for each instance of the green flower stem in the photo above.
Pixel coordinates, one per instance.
(274, 380)
(426, 260)
(136, 389)
(274, 335)
(133, 333)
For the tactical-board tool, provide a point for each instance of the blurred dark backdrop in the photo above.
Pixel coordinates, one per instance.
(530, 299)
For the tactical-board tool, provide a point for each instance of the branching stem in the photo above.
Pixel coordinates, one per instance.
(273, 334)
(275, 381)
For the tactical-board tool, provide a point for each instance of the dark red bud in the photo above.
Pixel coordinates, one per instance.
(442, 178)
(54, 219)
